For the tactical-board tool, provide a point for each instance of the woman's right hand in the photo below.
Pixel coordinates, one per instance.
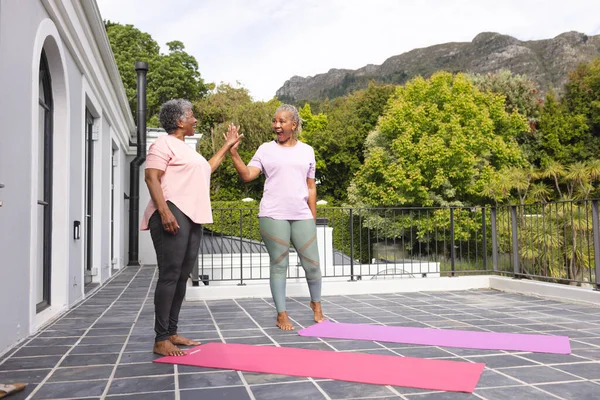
(169, 222)
(233, 137)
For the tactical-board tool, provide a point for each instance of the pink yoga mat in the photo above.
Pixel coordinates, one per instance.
(441, 337)
(352, 367)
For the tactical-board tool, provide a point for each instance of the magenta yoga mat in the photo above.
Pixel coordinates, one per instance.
(376, 369)
(441, 337)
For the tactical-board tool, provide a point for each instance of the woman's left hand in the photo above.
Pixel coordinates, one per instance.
(232, 137)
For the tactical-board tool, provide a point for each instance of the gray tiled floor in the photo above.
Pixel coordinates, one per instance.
(102, 348)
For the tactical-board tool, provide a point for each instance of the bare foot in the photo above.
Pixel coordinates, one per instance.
(166, 348)
(283, 322)
(316, 307)
(181, 341)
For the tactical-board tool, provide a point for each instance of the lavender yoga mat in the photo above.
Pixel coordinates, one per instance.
(441, 337)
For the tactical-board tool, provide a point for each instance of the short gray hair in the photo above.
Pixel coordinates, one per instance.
(295, 116)
(173, 111)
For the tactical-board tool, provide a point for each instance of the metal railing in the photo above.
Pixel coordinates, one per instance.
(554, 242)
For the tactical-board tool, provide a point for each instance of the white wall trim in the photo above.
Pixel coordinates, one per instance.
(90, 101)
(47, 37)
(81, 28)
(116, 237)
(554, 291)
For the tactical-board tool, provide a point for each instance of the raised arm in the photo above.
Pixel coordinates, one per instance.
(312, 196)
(232, 138)
(246, 173)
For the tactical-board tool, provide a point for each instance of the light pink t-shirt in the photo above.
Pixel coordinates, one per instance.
(285, 194)
(186, 181)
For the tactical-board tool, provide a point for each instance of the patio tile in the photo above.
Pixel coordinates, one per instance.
(49, 341)
(145, 396)
(231, 393)
(424, 352)
(61, 332)
(288, 391)
(210, 379)
(347, 345)
(253, 378)
(29, 363)
(591, 354)
(139, 385)
(574, 391)
(29, 376)
(74, 360)
(491, 378)
(535, 375)
(345, 390)
(27, 351)
(250, 340)
(71, 389)
(545, 358)
(442, 396)
(585, 370)
(143, 369)
(96, 349)
(81, 373)
(114, 339)
(189, 369)
(502, 361)
(516, 392)
(138, 357)
(311, 346)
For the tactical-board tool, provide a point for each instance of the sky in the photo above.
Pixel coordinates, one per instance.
(259, 44)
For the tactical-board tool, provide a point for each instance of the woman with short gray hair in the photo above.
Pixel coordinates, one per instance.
(178, 179)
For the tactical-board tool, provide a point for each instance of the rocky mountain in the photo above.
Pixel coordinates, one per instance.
(547, 62)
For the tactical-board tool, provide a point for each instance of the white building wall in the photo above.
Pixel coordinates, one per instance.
(83, 74)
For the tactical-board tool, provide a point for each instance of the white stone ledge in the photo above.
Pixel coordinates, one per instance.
(553, 291)
(298, 287)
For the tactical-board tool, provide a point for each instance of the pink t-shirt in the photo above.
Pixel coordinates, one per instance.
(285, 194)
(186, 181)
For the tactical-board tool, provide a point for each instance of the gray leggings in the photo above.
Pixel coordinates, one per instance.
(176, 255)
(303, 234)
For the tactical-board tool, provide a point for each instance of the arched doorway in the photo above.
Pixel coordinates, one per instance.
(44, 187)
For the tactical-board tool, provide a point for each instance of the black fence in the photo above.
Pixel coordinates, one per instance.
(555, 242)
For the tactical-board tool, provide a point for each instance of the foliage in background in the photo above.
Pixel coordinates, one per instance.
(338, 135)
(563, 137)
(520, 96)
(555, 241)
(171, 75)
(582, 96)
(439, 142)
(229, 215)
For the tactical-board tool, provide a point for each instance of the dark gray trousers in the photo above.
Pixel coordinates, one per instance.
(175, 256)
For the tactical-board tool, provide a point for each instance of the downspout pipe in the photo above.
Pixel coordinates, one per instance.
(134, 177)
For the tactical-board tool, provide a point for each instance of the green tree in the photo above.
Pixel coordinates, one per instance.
(563, 136)
(338, 139)
(520, 95)
(582, 96)
(172, 75)
(440, 142)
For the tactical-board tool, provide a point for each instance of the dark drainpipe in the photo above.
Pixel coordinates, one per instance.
(134, 176)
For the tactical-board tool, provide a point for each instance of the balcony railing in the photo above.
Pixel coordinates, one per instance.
(555, 242)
